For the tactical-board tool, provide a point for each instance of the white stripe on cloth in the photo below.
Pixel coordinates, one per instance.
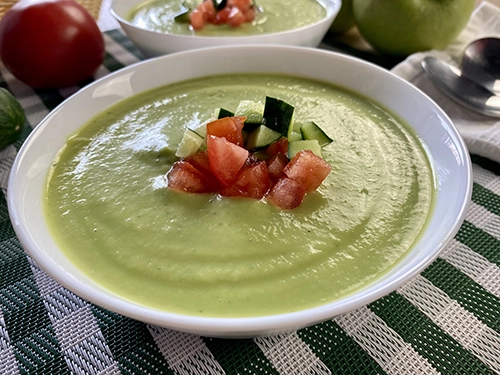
(185, 353)
(78, 334)
(119, 52)
(289, 354)
(453, 319)
(474, 265)
(8, 362)
(386, 346)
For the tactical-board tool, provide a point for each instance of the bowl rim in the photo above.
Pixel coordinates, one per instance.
(332, 8)
(240, 327)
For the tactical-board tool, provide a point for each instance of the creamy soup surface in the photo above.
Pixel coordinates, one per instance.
(276, 16)
(108, 206)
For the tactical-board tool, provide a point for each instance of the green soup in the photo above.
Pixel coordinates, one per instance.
(108, 206)
(277, 15)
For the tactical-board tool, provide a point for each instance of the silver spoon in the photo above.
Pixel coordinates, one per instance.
(481, 63)
(465, 89)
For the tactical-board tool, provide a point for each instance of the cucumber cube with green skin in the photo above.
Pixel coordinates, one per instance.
(294, 136)
(310, 144)
(190, 144)
(278, 115)
(261, 137)
(253, 111)
(219, 4)
(182, 16)
(310, 130)
(222, 112)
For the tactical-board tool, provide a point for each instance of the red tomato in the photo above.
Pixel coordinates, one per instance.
(279, 146)
(236, 17)
(202, 164)
(226, 159)
(229, 128)
(50, 43)
(287, 194)
(308, 169)
(275, 166)
(252, 182)
(184, 177)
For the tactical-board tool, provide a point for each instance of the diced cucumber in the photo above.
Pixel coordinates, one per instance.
(309, 144)
(261, 137)
(219, 4)
(222, 112)
(294, 136)
(310, 130)
(182, 16)
(190, 143)
(253, 111)
(278, 115)
(186, 7)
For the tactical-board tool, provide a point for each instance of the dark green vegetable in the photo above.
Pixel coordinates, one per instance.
(311, 131)
(278, 115)
(224, 113)
(12, 118)
(219, 4)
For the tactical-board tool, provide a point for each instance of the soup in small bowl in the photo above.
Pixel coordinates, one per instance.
(155, 28)
(91, 200)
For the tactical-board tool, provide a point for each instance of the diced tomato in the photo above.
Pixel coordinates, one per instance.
(279, 146)
(252, 182)
(226, 159)
(251, 160)
(202, 164)
(249, 14)
(184, 177)
(196, 19)
(222, 16)
(275, 166)
(229, 128)
(286, 194)
(240, 4)
(236, 17)
(207, 8)
(308, 169)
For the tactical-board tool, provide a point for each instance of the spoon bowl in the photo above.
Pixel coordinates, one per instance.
(477, 85)
(481, 63)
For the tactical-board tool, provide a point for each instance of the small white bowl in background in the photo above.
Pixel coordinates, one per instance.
(445, 147)
(153, 43)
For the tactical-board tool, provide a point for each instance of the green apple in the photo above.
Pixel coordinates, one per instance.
(344, 20)
(402, 27)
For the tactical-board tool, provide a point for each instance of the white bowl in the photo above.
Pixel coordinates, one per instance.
(152, 43)
(446, 148)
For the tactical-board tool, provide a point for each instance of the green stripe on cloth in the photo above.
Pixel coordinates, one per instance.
(486, 164)
(469, 294)
(130, 342)
(486, 198)
(50, 97)
(339, 352)
(480, 242)
(40, 353)
(441, 350)
(119, 37)
(240, 356)
(111, 63)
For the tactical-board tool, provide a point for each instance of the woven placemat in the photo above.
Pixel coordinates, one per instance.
(445, 321)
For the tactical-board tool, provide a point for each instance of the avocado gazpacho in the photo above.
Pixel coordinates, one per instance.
(235, 18)
(109, 208)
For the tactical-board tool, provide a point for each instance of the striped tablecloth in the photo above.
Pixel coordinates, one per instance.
(445, 321)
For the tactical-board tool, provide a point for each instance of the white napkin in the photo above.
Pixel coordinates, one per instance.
(480, 133)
